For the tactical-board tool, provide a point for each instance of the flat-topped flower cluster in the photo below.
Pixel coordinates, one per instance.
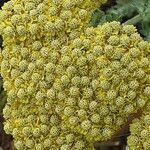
(69, 84)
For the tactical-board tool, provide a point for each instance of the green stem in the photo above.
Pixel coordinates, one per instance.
(134, 20)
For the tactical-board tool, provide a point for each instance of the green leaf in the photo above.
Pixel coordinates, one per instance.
(139, 5)
(122, 9)
(97, 17)
(146, 13)
(146, 30)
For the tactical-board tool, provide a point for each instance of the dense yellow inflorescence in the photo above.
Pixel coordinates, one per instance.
(140, 132)
(68, 84)
(3, 97)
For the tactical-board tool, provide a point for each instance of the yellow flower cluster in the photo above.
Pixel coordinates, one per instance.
(140, 132)
(3, 97)
(109, 81)
(68, 84)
